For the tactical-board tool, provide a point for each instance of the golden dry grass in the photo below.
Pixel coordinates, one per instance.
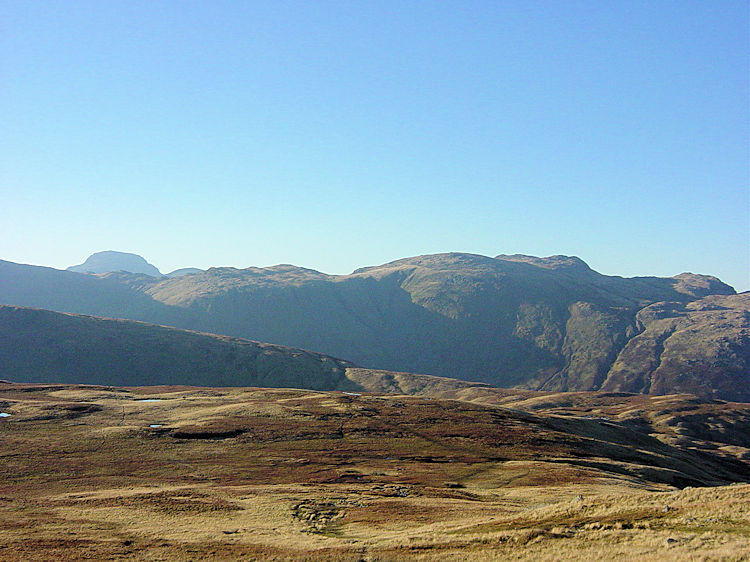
(291, 474)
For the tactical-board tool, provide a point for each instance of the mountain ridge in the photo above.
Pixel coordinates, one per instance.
(511, 321)
(52, 347)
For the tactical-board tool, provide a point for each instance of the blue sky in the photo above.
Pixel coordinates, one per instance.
(336, 135)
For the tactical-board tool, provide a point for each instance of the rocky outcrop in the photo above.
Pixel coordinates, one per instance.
(701, 347)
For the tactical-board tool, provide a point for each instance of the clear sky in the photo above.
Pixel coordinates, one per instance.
(336, 135)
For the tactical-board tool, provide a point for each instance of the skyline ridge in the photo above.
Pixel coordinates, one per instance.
(536, 260)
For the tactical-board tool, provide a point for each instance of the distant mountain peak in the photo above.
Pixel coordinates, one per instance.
(183, 271)
(111, 260)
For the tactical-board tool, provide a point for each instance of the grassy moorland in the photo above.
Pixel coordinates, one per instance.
(93, 472)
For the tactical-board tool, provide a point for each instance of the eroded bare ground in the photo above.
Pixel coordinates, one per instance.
(292, 474)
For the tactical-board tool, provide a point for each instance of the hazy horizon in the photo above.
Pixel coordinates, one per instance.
(335, 136)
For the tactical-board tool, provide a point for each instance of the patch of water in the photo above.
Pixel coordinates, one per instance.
(4, 415)
(149, 400)
(352, 393)
(156, 425)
